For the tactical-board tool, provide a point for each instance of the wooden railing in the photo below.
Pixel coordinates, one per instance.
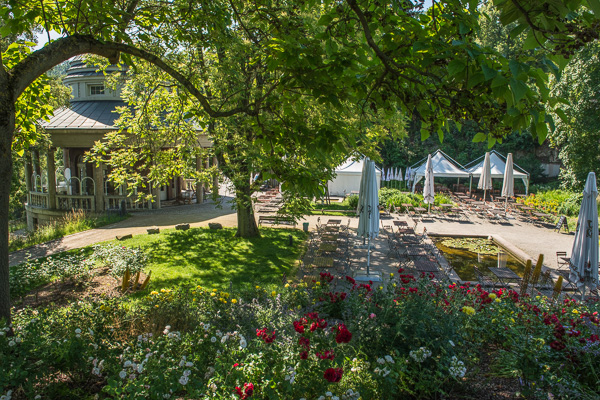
(73, 202)
(37, 199)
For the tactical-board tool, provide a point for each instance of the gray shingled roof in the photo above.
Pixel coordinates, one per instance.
(85, 115)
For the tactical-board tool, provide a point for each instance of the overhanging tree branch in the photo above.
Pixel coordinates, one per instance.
(28, 70)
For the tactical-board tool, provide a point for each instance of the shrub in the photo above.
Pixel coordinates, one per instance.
(352, 200)
(27, 276)
(120, 258)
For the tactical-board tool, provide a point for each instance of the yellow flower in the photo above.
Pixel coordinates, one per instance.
(498, 300)
(318, 283)
(233, 301)
(258, 287)
(512, 320)
(299, 307)
(199, 287)
(393, 284)
(492, 296)
(224, 301)
(287, 285)
(468, 310)
(163, 290)
(575, 312)
(215, 290)
(213, 294)
(220, 299)
(493, 321)
(194, 299)
(391, 274)
(380, 287)
(273, 293)
(156, 306)
(154, 292)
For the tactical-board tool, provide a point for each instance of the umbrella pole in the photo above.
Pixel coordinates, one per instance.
(505, 205)
(369, 256)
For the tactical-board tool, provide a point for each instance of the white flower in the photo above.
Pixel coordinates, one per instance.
(140, 368)
(213, 387)
(11, 343)
(181, 363)
(77, 331)
(183, 380)
(243, 344)
(213, 339)
(321, 398)
(18, 340)
(349, 392)
(122, 374)
(328, 394)
(218, 333)
(287, 377)
(224, 339)
(335, 398)
(206, 326)
(381, 361)
(386, 371)
(189, 364)
(187, 372)
(2, 333)
(451, 343)
(38, 397)
(91, 332)
(127, 364)
(96, 371)
(389, 359)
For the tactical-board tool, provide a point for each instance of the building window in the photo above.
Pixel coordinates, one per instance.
(96, 89)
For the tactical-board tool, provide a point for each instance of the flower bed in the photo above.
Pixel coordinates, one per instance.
(413, 338)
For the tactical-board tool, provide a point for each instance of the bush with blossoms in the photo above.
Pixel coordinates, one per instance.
(331, 338)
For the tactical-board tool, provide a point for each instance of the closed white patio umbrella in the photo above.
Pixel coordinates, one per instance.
(428, 187)
(368, 210)
(584, 255)
(485, 180)
(508, 183)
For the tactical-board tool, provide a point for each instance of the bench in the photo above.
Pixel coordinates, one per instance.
(325, 211)
(276, 220)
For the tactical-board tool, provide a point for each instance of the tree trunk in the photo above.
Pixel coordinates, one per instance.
(7, 127)
(247, 226)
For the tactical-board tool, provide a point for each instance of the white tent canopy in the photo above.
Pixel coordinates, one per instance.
(443, 167)
(498, 165)
(348, 178)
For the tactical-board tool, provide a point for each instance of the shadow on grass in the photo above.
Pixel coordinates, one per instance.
(214, 258)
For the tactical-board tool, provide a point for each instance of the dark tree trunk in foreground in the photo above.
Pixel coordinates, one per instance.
(246, 221)
(7, 126)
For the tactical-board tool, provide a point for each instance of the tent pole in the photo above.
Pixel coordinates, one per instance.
(470, 182)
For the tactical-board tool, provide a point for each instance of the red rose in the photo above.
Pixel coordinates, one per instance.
(556, 345)
(303, 355)
(344, 335)
(333, 374)
(304, 342)
(298, 327)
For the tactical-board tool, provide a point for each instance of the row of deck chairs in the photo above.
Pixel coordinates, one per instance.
(415, 253)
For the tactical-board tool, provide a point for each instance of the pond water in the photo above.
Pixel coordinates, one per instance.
(462, 259)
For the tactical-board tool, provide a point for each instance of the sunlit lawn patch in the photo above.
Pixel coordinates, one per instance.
(213, 258)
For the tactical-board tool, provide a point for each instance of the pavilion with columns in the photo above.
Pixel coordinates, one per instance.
(80, 185)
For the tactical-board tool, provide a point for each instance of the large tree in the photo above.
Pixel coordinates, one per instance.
(371, 53)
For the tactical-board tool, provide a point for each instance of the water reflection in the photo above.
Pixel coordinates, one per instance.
(463, 260)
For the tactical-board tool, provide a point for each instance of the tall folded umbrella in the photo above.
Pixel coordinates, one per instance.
(407, 174)
(508, 184)
(428, 187)
(368, 210)
(400, 175)
(584, 255)
(485, 180)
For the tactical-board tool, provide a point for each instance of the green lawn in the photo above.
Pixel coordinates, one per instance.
(213, 258)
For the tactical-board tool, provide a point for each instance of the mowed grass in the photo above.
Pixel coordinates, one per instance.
(214, 258)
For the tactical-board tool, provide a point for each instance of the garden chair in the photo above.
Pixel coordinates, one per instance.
(526, 278)
(562, 264)
(484, 280)
(537, 272)
(545, 286)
